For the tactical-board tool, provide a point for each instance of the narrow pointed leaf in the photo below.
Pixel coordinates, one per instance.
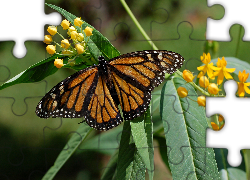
(141, 140)
(130, 164)
(34, 73)
(185, 126)
(149, 133)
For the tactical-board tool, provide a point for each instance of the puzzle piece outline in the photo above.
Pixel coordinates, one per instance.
(178, 25)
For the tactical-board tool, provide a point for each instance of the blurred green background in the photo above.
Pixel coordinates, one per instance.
(30, 145)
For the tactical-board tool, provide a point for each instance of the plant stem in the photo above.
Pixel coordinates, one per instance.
(194, 85)
(138, 25)
(151, 43)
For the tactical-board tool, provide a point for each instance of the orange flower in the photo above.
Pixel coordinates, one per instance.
(207, 68)
(243, 85)
(223, 71)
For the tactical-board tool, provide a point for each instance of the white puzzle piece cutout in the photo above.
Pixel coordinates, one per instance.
(24, 20)
(236, 12)
(235, 134)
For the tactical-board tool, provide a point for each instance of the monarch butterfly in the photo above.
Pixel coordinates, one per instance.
(95, 92)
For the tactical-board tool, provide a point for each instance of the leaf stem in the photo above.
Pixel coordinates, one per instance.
(194, 85)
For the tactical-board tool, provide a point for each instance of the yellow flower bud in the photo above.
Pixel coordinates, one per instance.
(213, 89)
(65, 24)
(182, 92)
(65, 43)
(73, 35)
(47, 39)
(201, 100)
(58, 63)
(214, 126)
(79, 48)
(51, 49)
(52, 30)
(88, 31)
(80, 37)
(187, 75)
(203, 82)
(78, 22)
(71, 29)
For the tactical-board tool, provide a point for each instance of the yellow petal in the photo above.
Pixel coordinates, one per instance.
(245, 77)
(240, 76)
(241, 91)
(227, 75)
(216, 73)
(220, 78)
(210, 73)
(246, 89)
(230, 70)
(211, 65)
(200, 74)
(200, 68)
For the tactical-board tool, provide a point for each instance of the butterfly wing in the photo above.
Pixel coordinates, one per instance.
(136, 74)
(84, 94)
(102, 112)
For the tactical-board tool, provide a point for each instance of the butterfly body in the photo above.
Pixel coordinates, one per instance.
(95, 92)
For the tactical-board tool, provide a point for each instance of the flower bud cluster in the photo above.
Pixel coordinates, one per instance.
(74, 45)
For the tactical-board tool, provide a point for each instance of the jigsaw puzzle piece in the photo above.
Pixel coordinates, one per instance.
(234, 135)
(4, 73)
(236, 12)
(27, 23)
(193, 13)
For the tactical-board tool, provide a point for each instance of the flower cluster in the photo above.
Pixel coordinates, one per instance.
(75, 44)
(210, 79)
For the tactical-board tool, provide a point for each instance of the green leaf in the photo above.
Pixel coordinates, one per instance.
(236, 63)
(144, 140)
(130, 164)
(34, 73)
(246, 155)
(232, 174)
(149, 133)
(98, 43)
(77, 138)
(185, 126)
